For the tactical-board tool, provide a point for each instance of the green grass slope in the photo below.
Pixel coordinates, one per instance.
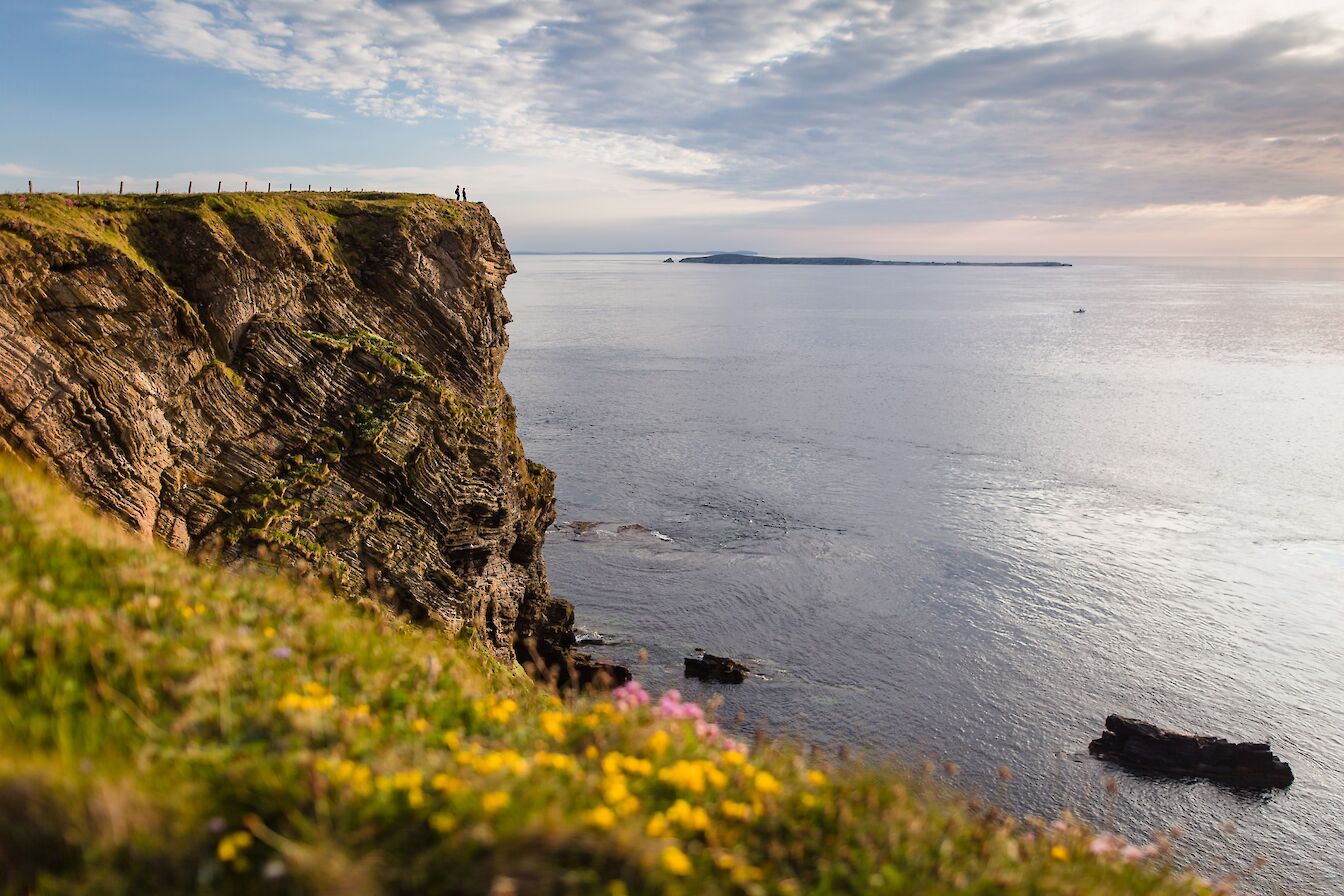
(171, 728)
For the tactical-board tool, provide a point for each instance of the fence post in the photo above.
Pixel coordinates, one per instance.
(188, 188)
(268, 186)
(30, 186)
(156, 188)
(291, 188)
(121, 187)
(76, 188)
(310, 188)
(219, 187)
(244, 186)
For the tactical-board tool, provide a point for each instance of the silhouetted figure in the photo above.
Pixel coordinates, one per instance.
(458, 193)
(464, 194)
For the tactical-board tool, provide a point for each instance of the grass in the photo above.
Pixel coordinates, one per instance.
(167, 727)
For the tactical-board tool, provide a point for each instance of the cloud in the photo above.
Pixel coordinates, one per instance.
(927, 110)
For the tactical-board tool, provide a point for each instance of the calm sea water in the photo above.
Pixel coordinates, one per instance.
(950, 519)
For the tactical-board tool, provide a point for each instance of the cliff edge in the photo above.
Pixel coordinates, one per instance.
(309, 378)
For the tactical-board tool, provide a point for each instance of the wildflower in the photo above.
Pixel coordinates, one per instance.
(671, 706)
(734, 809)
(657, 826)
(600, 817)
(442, 822)
(553, 723)
(415, 798)
(675, 861)
(452, 740)
(501, 711)
(420, 725)
(282, 653)
(629, 695)
(816, 778)
(1059, 852)
(766, 783)
(1106, 845)
(268, 632)
(229, 847)
(445, 783)
(493, 801)
(693, 818)
(733, 757)
(658, 742)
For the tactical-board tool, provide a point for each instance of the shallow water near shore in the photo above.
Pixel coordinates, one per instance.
(947, 518)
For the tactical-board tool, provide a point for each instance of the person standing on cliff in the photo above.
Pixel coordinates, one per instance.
(464, 194)
(458, 192)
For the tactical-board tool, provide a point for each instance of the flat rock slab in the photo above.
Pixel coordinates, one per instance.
(1142, 745)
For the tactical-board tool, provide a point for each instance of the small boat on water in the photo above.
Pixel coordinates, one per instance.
(1080, 311)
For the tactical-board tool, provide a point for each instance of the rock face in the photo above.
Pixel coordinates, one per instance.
(708, 667)
(1144, 746)
(309, 378)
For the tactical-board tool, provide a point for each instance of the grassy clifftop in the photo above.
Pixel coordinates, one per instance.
(170, 728)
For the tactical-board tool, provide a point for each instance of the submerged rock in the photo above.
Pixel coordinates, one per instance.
(1145, 746)
(708, 667)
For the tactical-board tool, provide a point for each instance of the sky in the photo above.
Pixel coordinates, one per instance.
(1042, 128)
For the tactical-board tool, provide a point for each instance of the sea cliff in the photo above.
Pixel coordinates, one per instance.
(307, 378)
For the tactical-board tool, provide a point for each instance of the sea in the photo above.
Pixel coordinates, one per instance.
(945, 518)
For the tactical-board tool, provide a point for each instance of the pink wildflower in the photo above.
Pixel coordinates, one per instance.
(671, 706)
(1106, 845)
(629, 695)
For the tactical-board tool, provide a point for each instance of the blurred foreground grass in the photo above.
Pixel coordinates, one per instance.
(172, 728)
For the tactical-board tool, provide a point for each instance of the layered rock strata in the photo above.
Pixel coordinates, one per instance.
(308, 378)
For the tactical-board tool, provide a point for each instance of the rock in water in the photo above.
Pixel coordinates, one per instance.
(309, 379)
(668, 261)
(1144, 746)
(708, 667)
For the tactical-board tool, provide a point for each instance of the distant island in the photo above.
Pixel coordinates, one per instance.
(739, 258)
(642, 252)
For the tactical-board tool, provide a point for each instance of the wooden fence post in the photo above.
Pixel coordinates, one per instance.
(76, 188)
(188, 188)
(310, 188)
(268, 186)
(291, 188)
(30, 186)
(156, 188)
(121, 187)
(219, 187)
(244, 186)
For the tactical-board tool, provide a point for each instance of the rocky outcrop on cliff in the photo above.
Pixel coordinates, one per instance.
(304, 377)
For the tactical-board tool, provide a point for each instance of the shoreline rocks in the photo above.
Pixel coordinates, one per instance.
(1146, 747)
(708, 667)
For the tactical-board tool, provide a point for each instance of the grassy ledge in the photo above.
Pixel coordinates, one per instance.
(171, 728)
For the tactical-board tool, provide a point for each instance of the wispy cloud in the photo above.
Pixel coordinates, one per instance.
(925, 110)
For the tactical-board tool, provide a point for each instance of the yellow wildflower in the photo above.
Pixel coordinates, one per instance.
(658, 742)
(601, 818)
(657, 826)
(816, 778)
(553, 723)
(675, 861)
(231, 845)
(694, 818)
(766, 783)
(442, 822)
(445, 783)
(732, 758)
(420, 725)
(268, 632)
(1059, 852)
(415, 798)
(493, 801)
(501, 711)
(452, 740)
(734, 809)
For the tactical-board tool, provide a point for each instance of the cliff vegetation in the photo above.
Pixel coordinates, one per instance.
(171, 727)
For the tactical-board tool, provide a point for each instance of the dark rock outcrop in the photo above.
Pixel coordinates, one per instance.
(305, 378)
(1144, 746)
(708, 667)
